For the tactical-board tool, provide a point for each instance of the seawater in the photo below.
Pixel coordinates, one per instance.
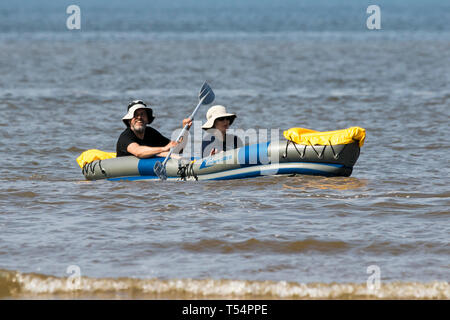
(381, 233)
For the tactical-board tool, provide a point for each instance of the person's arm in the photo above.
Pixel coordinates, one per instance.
(147, 152)
(184, 138)
(182, 144)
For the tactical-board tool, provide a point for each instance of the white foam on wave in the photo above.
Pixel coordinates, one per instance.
(18, 285)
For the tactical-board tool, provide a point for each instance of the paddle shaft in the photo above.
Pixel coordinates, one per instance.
(184, 129)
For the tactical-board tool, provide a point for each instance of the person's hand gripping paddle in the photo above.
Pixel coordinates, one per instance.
(206, 96)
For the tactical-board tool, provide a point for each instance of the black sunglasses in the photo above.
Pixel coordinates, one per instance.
(225, 118)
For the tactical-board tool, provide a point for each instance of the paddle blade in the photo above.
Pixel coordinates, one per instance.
(160, 170)
(206, 94)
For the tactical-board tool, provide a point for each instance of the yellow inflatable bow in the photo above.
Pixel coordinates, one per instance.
(93, 154)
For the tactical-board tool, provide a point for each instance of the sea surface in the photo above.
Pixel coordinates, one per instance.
(382, 233)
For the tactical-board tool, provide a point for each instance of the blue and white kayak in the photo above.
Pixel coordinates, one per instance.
(282, 157)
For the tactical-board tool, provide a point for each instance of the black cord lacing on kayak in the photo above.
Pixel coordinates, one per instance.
(101, 168)
(89, 168)
(319, 155)
(336, 155)
(187, 171)
(181, 172)
(302, 155)
(191, 172)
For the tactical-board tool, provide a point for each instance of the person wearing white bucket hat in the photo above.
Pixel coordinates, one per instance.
(140, 140)
(216, 126)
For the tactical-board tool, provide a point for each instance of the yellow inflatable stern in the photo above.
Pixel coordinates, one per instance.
(311, 137)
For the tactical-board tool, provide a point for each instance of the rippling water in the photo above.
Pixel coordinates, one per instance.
(64, 92)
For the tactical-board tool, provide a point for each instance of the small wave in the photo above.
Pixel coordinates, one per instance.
(167, 208)
(18, 285)
(392, 205)
(418, 195)
(23, 194)
(388, 247)
(325, 183)
(100, 71)
(254, 245)
(75, 149)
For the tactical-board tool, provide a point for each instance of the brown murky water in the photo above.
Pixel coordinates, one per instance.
(270, 237)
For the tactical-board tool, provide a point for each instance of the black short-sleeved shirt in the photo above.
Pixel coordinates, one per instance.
(152, 138)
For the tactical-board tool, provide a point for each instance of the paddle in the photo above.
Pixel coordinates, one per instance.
(206, 96)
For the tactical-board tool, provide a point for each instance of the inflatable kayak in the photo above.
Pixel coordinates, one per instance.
(304, 151)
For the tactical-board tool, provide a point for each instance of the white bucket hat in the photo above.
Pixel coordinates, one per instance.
(135, 105)
(216, 112)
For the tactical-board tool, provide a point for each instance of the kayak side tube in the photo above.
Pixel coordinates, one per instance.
(277, 157)
(288, 151)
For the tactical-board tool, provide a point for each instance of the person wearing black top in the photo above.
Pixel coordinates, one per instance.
(142, 141)
(216, 138)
